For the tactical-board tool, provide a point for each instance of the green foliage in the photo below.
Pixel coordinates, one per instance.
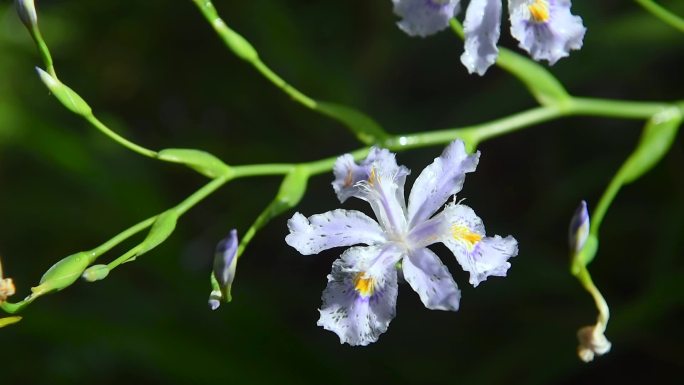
(200, 161)
(70, 99)
(364, 127)
(161, 229)
(63, 273)
(655, 142)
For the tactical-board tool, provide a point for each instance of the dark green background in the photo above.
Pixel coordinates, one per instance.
(154, 71)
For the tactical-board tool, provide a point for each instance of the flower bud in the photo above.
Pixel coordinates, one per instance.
(27, 12)
(225, 262)
(62, 274)
(96, 273)
(68, 97)
(579, 228)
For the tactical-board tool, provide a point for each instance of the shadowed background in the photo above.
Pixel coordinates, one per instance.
(156, 73)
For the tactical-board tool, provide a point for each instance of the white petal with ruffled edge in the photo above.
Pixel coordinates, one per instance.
(550, 39)
(332, 229)
(428, 276)
(482, 29)
(425, 17)
(439, 181)
(357, 317)
(477, 254)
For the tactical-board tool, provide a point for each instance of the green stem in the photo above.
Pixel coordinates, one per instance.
(283, 85)
(663, 14)
(118, 138)
(122, 236)
(245, 51)
(43, 50)
(625, 109)
(604, 311)
(200, 194)
(605, 202)
(124, 258)
(180, 209)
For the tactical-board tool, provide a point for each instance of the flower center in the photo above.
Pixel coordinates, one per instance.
(364, 285)
(372, 178)
(463, 234)
(539, 11)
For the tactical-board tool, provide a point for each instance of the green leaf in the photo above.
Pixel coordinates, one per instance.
(64, 94)
(9, 321)
(200, 161)
(293, 187)
(62, 274)
(96, 273)
(538, 80)
(366, 129)
(656, 140)
(161, 229)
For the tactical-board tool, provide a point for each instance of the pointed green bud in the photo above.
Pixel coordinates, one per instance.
(656, 140)
(64, 94)
(293, 187)
(201, 161)
(363, 126)
(62, 274)
(26, 10)
(161, 229)
(96, 273)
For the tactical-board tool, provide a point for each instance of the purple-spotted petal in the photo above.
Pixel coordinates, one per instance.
(428, 276)
(360, 299)
(545, 28)
(481, 28)
(477, 254)
(425, 17)
(440, 180)
(332, 229)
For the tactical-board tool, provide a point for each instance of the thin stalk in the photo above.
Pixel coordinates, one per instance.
(662, 14)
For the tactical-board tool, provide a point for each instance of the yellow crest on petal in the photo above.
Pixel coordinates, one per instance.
(539, 11)
(464, 234)
(364, 284)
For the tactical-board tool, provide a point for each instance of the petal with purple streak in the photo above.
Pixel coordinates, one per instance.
(428, 276)
(332, 229)
(439, 181)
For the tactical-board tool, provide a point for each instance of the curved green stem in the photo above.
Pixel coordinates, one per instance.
(365, 128)
(120, 139)
(662, 14)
